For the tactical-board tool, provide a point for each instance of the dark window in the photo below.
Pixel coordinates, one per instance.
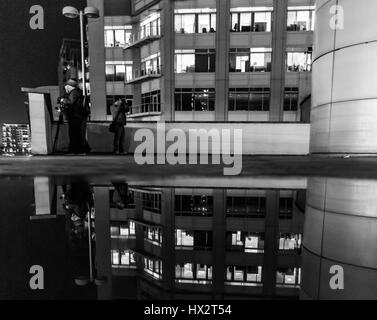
(291, 99)
(194, 99)
(252, 99)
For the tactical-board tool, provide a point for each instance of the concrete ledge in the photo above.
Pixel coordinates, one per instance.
(258, 138)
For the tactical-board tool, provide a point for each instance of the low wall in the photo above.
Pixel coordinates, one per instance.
(257, 138)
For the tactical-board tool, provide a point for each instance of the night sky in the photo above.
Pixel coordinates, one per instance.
(29, 58)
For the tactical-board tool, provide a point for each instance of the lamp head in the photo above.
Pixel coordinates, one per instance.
(70, 12)
(91, 12)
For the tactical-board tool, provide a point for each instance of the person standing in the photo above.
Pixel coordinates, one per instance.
(73, 102)
(119, 113)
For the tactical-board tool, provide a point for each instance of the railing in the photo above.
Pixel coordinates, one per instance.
(141, 74)
(144, 33)
(145, 109)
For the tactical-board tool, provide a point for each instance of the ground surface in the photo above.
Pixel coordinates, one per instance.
(362, 168)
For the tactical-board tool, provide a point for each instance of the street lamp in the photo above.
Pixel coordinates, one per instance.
(73, 13)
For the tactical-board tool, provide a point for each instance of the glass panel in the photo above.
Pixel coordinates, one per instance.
(119, 38)
(262, 21)
(245, 22)
(185, 63)
(188, 23)
(203, 23)
(109, 38)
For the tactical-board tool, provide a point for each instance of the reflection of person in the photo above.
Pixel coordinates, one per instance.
(78, 204)
(73, 101)
(120, 195)
(119, 110)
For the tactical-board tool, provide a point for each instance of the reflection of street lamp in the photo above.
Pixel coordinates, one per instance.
(82, 280)
(72, 13)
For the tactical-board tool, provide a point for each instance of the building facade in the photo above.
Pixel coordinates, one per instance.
(204, 61)
(16, 138)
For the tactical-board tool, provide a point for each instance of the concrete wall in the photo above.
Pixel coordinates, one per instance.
(258, 138)
(344, 108)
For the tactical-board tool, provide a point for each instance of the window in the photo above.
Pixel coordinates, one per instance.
(291, 99)
(184, 238)
(123, 230)
(193, 273)
(285, 208)
(118, 71)
(191, 206)
(300, 19)
(195, 20)
(243, 275)
(199, 60)
(251, 19)
(151, 65)
(153, 268)
(150, 102)
(247, 242)
(117, 37)
(299, 61)
(153, 234)
(250, 60)
(195, 99)
(149, 27)
(290, 242)
(249, 99)
(124, 258)
(253, 207)
(152, 202)
(288, 277)
(193, 240)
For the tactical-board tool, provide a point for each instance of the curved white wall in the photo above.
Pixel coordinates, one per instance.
(340, 229)
(344, 92)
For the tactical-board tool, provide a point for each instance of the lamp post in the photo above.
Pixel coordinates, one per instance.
(73, 13)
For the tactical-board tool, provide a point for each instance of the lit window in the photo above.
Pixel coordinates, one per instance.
(251, 19)
(250, 60)
(288, 277)
(299, 61)
(300, 19)
(195, 20)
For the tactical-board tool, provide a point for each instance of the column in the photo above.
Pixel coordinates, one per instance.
(222, 59)
(279, 39)
(167, 60)
(344, 94)
(168, 242)
(271, 243)
(340, 230)
(219, 243)
(103, 241)
(96, 39)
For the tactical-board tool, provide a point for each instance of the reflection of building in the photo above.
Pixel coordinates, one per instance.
(180, 60)
(340, 230)
(175, 243)
(16, 138)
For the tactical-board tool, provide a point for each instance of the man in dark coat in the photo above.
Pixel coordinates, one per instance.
(119, 111)
(75, 113)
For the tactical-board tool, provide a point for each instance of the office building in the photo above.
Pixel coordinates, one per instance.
(204, 61)
(16, 138)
